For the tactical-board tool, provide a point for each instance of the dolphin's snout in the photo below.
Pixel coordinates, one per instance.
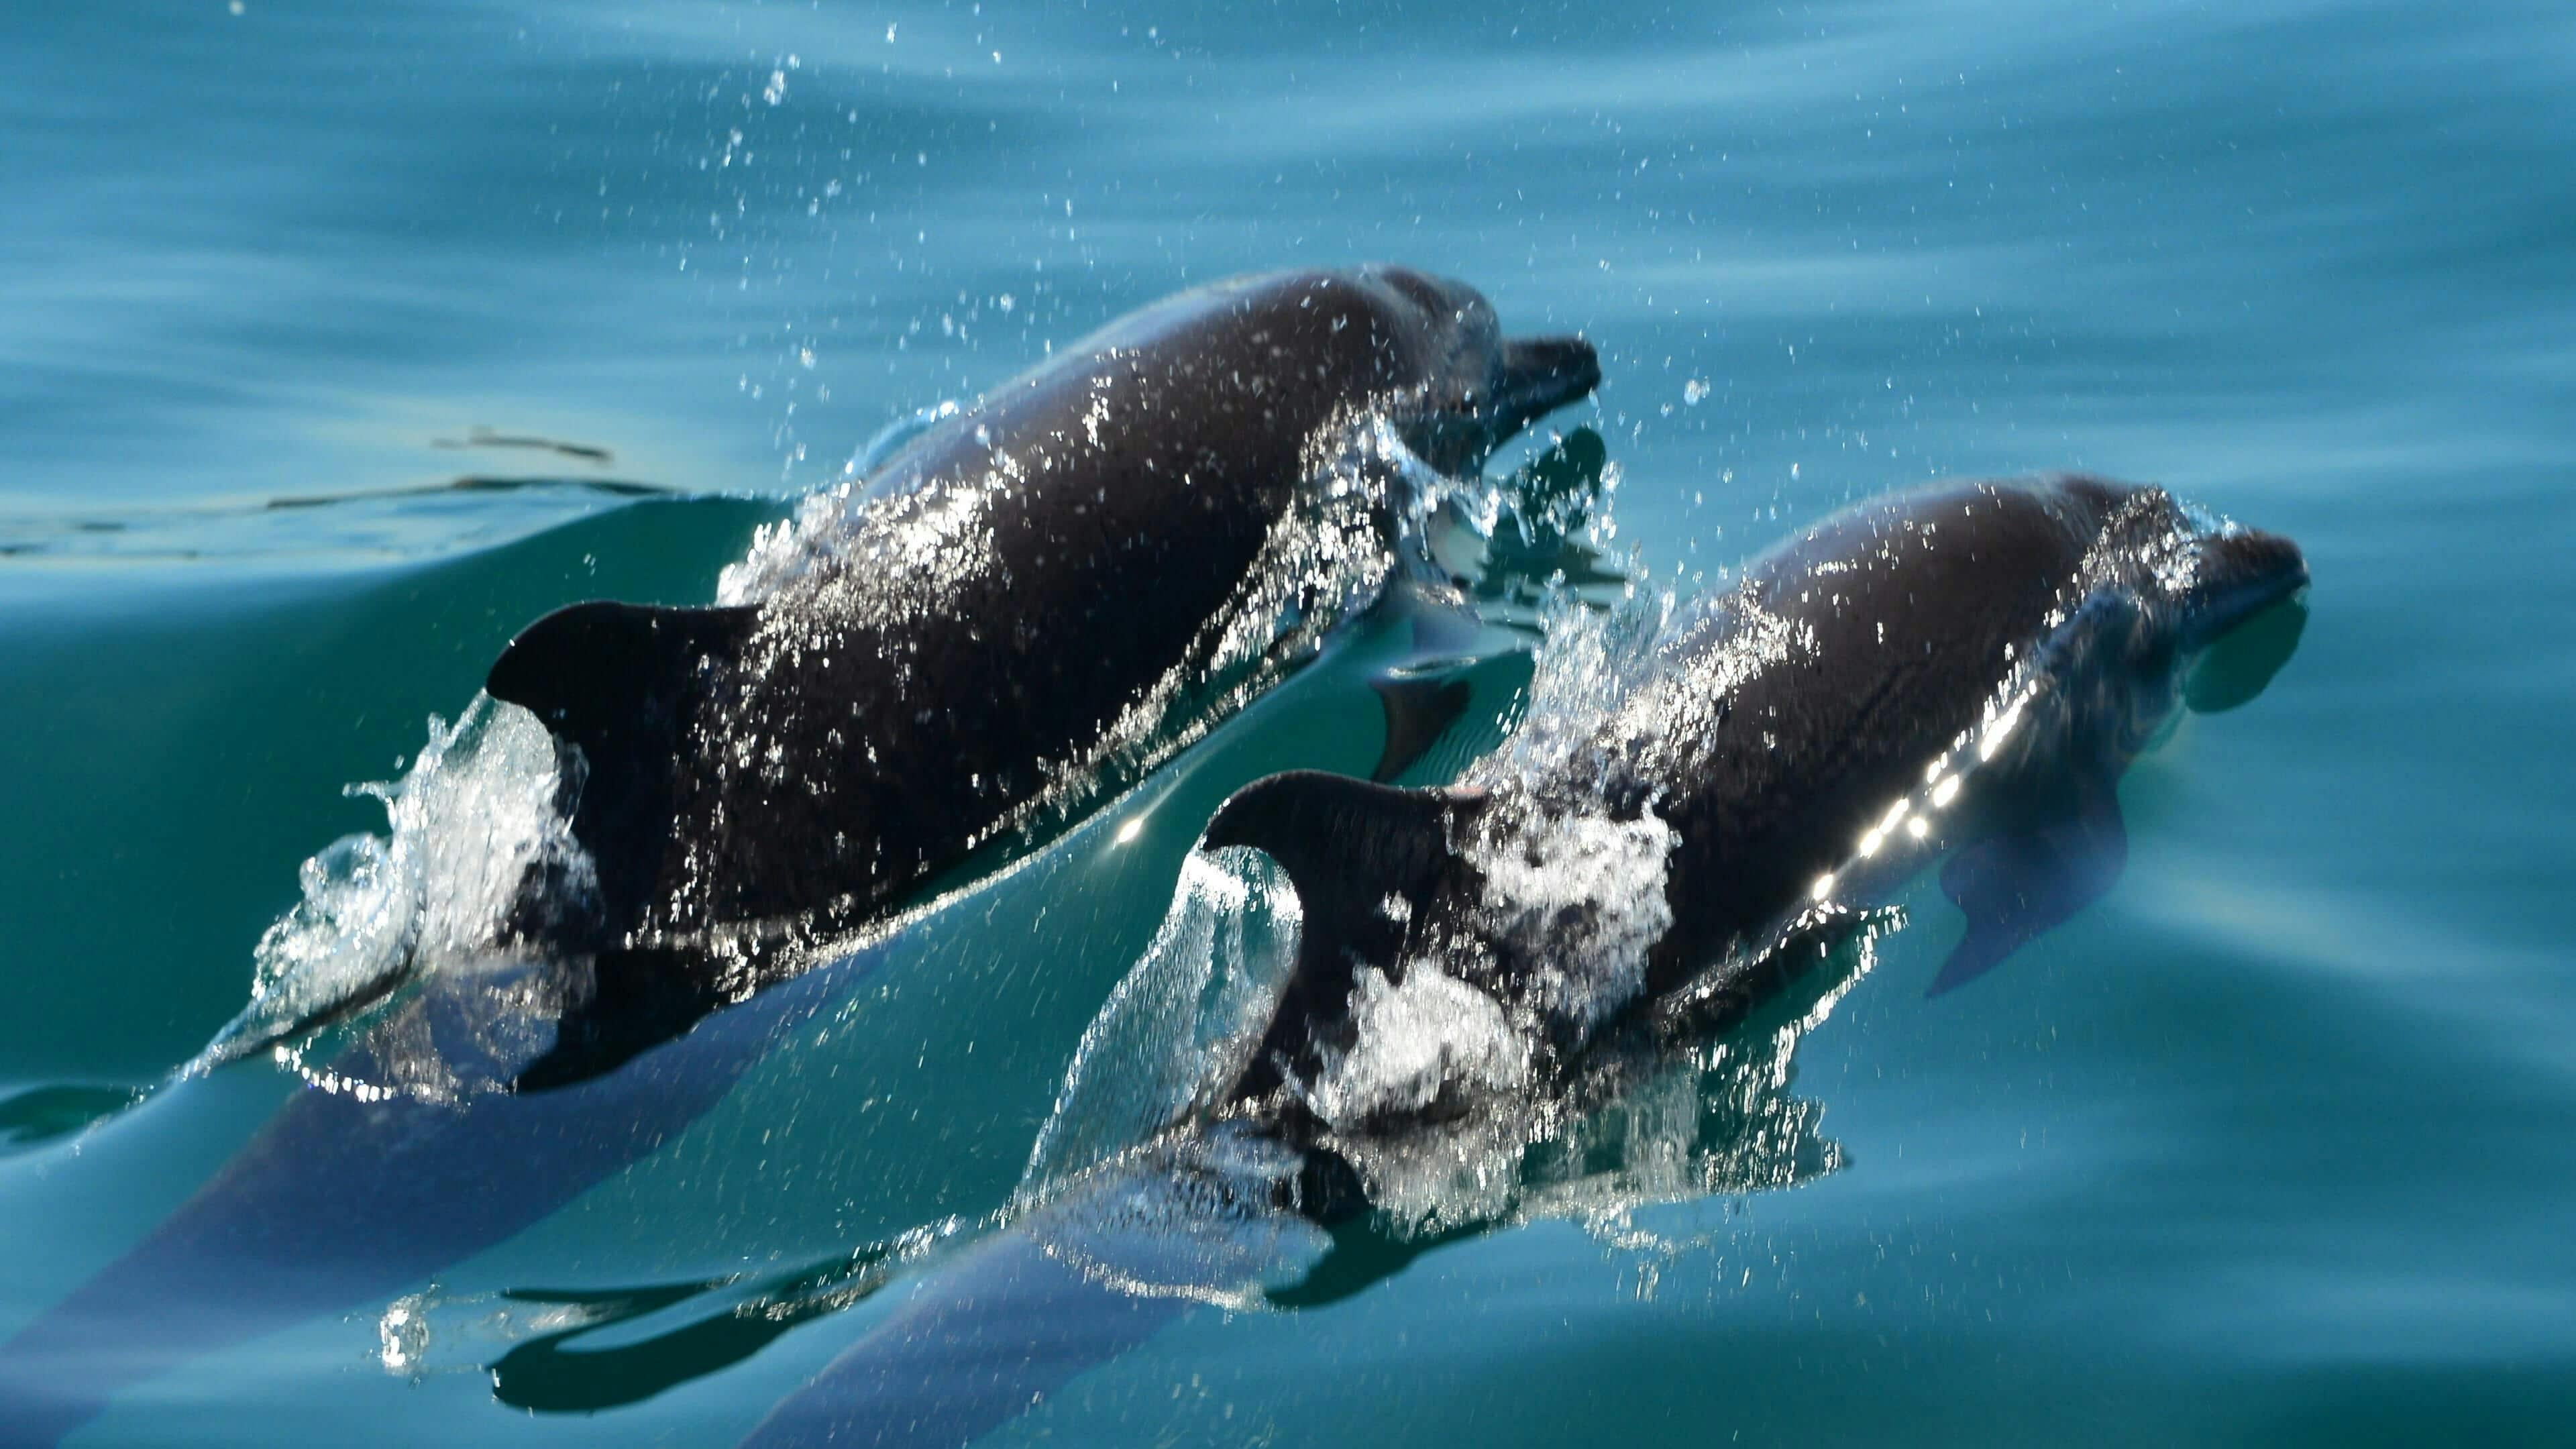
(1539, 375)
(2243, 616)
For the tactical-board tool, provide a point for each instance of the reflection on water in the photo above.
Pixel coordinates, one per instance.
(41, 1114)
(370, 527)
(581, 1351)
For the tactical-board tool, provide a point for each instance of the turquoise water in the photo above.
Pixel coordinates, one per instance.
(2273, 1145)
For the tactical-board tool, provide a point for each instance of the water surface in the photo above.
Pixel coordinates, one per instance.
(2273, 1145)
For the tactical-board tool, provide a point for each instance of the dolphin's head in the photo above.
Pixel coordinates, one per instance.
(2233, 599)
(1478, 388)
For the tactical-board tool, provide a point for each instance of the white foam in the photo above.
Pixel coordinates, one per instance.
(1578, 899)
(467, 824)
(1416, 1041)
(1626, 1131)
(1573, 903)
(1591, 661)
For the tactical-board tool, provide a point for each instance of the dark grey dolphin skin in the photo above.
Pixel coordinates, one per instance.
(1988, 656)
(1006, 622)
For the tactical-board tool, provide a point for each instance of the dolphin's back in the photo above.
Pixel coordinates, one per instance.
(1780, 724)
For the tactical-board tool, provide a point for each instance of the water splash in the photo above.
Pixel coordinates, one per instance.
(1420, 1040)
(1553, 946)
(1192, 1216)
(468, 825)
(1638, 1123)
(1173, 1029)
(1592, 659)
(1205, 1212)
(1579, 898)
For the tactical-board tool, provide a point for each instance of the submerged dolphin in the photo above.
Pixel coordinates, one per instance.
(351, 1193)
(1962, 669)
(1021, 611)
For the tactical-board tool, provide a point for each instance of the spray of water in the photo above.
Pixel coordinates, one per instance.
(1175, 1027)
(467, 826)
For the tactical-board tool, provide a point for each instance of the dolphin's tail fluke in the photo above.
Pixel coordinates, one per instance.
(621, 683)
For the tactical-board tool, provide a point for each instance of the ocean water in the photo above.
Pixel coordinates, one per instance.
(2274, 1145)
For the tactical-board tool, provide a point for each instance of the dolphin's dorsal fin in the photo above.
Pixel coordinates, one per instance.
(598, 671)
(1343, 842)
(2060, 853)
(1365, 860)
(621, 682)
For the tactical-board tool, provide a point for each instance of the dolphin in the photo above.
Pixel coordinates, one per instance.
(1961, 672)
(1015, 615)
